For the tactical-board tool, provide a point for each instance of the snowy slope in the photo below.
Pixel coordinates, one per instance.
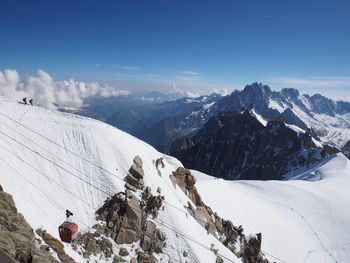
(46, 179)
(334, 129)
(302, 220)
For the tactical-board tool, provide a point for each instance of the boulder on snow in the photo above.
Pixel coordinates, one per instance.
(93, 244)
(136, 171)
(123, 252)
(138, 161)
(131, 180)
(56, 245)
(153, 239)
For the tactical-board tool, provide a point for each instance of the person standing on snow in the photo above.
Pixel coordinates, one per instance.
(31, 102)
(68, 214)
(25, 100)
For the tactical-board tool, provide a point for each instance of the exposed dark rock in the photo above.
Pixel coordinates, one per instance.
(250, 250)
(17, 238)
(152, 239)
(137, 183)
(117, 259)
(93, 245)
(123, 252)
(55, 244)
(224, 230)
(125, 218)
(346, 149)
(237, 146)
(131, 187)
(136, 169)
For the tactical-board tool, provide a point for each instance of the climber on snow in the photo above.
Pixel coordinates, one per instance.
(31, 102)
(25, 100)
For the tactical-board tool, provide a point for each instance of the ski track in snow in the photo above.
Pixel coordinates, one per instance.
(301, 220)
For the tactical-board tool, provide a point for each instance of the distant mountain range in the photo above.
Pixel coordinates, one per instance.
(317, 126)
(237, 146)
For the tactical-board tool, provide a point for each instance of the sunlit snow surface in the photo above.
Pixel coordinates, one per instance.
(333, 129)
(103, 145)
(287, 213)
(301, 220)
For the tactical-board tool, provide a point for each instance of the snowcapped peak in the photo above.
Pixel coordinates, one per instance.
(290, 93)
(257, 89)
(52, 161)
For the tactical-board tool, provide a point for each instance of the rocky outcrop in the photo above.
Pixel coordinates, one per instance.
(248, 248)
(237, 146)
(346, 149)
(124, 217)
(93, 244)
(134, 180)
(56, 246)
(17, 238)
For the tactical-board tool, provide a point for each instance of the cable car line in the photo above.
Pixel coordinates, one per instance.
(63, 209)
(56, 156)
(48, 178)
(57, 205)
(63, 168)
(180, 233)
(96, 165)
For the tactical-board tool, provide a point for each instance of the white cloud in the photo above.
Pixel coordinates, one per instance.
(50, 93)
(191, 94)
(130, 68)
(222, 91)
(327, 81)
(189, 75)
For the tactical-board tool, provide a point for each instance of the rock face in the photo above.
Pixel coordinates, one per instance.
(134, 180)
(237, 146)
(245, 247)
(56, 245)
(125, 216)
(16, 235)
(93, 244)
(346, 149)
(126, 222)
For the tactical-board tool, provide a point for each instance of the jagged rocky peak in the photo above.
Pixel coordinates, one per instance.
(321, 104)
(246, 247)
(256, 91)
(290, 93)
(237, 146)
(17, 237)
(125, 218)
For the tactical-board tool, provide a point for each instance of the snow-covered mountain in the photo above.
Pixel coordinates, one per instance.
(52, 161)
(330, 119)
(303, 219)
(159, 124)
(244, 146)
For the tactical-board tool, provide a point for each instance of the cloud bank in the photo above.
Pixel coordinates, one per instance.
(327, 81)
(50, 93)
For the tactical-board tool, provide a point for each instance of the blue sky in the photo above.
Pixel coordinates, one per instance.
(198, 45)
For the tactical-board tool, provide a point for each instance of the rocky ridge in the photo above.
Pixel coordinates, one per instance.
(248, 248)
(237, 146)
(126, 219)
(17, 238)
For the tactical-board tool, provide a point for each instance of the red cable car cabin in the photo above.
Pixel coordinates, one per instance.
(68, 231)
